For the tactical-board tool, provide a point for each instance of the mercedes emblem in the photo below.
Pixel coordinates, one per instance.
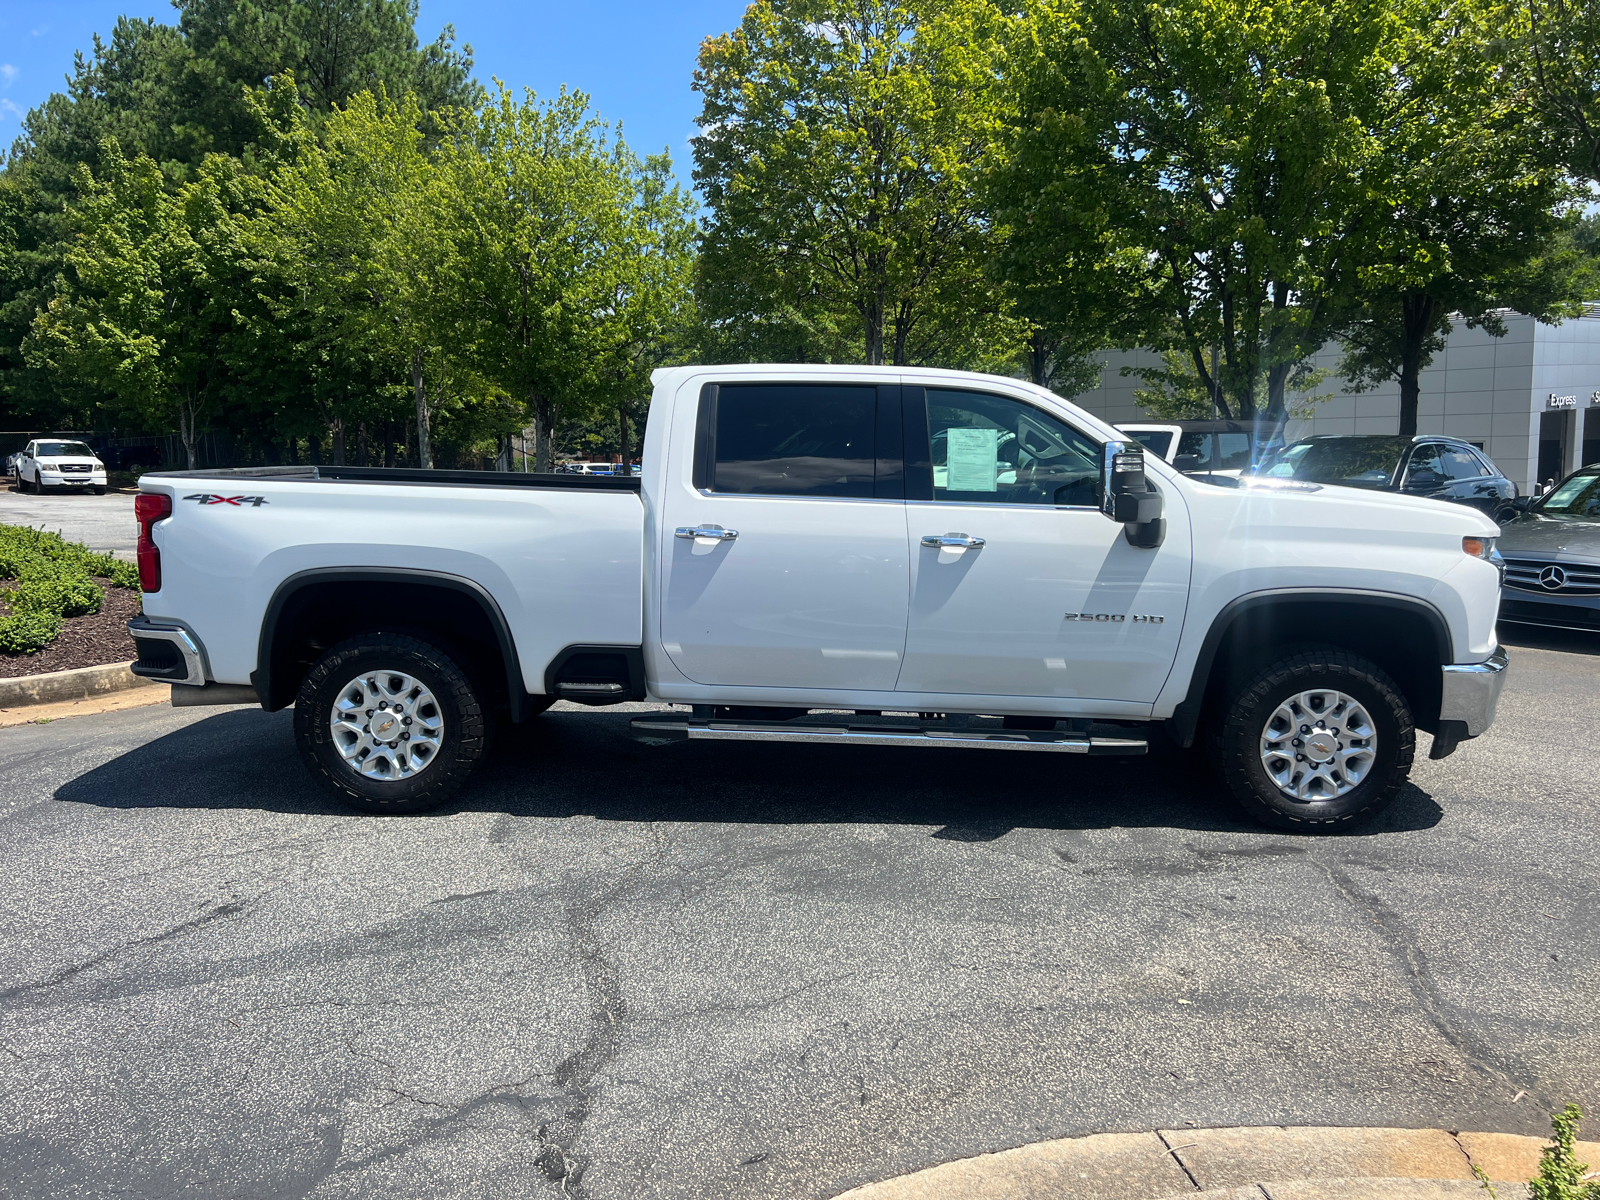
(1553, 578)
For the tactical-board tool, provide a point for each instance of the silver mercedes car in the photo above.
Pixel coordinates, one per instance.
(1552, 556)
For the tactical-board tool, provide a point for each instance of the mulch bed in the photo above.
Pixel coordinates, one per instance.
(91, 641)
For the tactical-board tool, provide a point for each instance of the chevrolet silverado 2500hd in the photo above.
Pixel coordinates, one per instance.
(835, 555)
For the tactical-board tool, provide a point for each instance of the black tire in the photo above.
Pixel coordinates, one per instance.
(22, 487)
(1238, 753)
(462, 743)
(1505, 516)
(38, 483)
(99, 491)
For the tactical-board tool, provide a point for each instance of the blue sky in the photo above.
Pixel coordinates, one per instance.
(633, 57)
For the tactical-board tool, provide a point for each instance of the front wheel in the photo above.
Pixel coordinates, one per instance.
(1318, 741)
(390, 723)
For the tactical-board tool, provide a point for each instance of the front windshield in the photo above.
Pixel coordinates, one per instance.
(1353, 462)
(64, 450)
(1157, 441)
(1578, 496)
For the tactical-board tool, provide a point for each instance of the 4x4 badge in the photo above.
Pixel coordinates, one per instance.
(236, 501)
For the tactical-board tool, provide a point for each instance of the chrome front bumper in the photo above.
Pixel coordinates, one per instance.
(1471, 691)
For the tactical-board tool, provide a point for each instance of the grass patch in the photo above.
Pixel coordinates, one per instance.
(55, 580)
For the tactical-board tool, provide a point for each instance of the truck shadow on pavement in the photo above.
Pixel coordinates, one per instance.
(569, 764)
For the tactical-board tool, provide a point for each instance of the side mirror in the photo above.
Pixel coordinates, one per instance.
(1187, 463)
(1125, 495)
(1521, 503)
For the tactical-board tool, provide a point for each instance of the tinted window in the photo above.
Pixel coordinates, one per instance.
(1157, 441)
(1426, 468)
(1196, 446)
(1233, 452)
(990, 449)
(64, 450)
(1461, 464)
(1576, 496)
(795, 439)
(1356, 462)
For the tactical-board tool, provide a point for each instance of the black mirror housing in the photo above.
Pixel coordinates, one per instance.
(1125, 495)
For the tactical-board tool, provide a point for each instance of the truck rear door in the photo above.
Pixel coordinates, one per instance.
(783, 555)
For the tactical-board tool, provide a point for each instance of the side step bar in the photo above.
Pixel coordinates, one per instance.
(856, 734)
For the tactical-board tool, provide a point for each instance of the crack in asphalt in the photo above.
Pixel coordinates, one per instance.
(1388, 925)
(219, 912)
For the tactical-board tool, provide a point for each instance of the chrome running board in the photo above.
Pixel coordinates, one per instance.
(862, 734)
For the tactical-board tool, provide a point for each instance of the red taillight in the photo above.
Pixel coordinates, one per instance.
(150, 507)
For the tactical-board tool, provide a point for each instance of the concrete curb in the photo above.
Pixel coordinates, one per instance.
(53, 687)
(1250, 1163)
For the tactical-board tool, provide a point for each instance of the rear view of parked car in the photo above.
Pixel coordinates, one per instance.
(1431, 466)
(1198, 447)
(1553, 557)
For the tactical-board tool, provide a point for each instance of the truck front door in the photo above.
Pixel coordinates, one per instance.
(783, 552)
(1046, 597)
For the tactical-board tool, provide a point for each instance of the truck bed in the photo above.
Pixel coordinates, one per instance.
(560, 556)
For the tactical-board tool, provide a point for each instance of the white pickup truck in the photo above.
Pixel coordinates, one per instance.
(835, 555)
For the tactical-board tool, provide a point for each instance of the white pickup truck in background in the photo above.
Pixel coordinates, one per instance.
(835, 555)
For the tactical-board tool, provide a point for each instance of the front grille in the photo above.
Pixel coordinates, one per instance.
(75, 468)
(1552, 578)
(1569, 616)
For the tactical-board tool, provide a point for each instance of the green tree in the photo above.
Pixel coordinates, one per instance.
(1214, 144)
(836, 156)
(335, 49)
(1556, 47)
(138, 310)
(551, 242)
(1463, 204)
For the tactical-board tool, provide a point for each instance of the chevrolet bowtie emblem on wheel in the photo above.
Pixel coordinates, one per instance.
(1115, 618)
(1553, 578)
(236, 501)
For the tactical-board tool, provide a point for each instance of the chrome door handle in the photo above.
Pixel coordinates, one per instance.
(950, 541)
(714, 532)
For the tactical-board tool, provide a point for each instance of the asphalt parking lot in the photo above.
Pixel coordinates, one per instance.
(616, 970)
(103, 523)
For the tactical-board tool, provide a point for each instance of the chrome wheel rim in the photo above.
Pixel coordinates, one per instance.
(1319, 745)
(386, 725)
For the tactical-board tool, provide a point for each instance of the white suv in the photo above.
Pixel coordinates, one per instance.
(61, 465)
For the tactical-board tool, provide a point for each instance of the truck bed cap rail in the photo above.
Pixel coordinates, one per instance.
(414, 475)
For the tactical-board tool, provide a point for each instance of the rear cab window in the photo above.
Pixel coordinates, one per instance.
(800, 439)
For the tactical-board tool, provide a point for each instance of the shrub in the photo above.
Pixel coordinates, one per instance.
(53, 581)
(27, 632)
(1561, 1176)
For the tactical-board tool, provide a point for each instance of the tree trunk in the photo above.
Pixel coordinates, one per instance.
(187, 413)
(873, 320)
(544, 414)
(424, 431)
(388, 443)
(314, 445)
(622, 422)
(502, 458)
(338, 441)
(1418, 312)
(363, 446)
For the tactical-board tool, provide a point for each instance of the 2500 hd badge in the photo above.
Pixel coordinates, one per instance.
(1137, 618)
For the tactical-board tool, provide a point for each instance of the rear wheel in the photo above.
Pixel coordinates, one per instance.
(99, 490)
(1318, 741)
(391, 723)
(22, 485)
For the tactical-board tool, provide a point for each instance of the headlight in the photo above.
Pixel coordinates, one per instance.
(1478, 547)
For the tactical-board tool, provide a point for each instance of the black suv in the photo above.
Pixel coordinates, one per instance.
(1430, 464)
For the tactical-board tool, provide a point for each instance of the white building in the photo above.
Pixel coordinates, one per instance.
(1523, 397)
